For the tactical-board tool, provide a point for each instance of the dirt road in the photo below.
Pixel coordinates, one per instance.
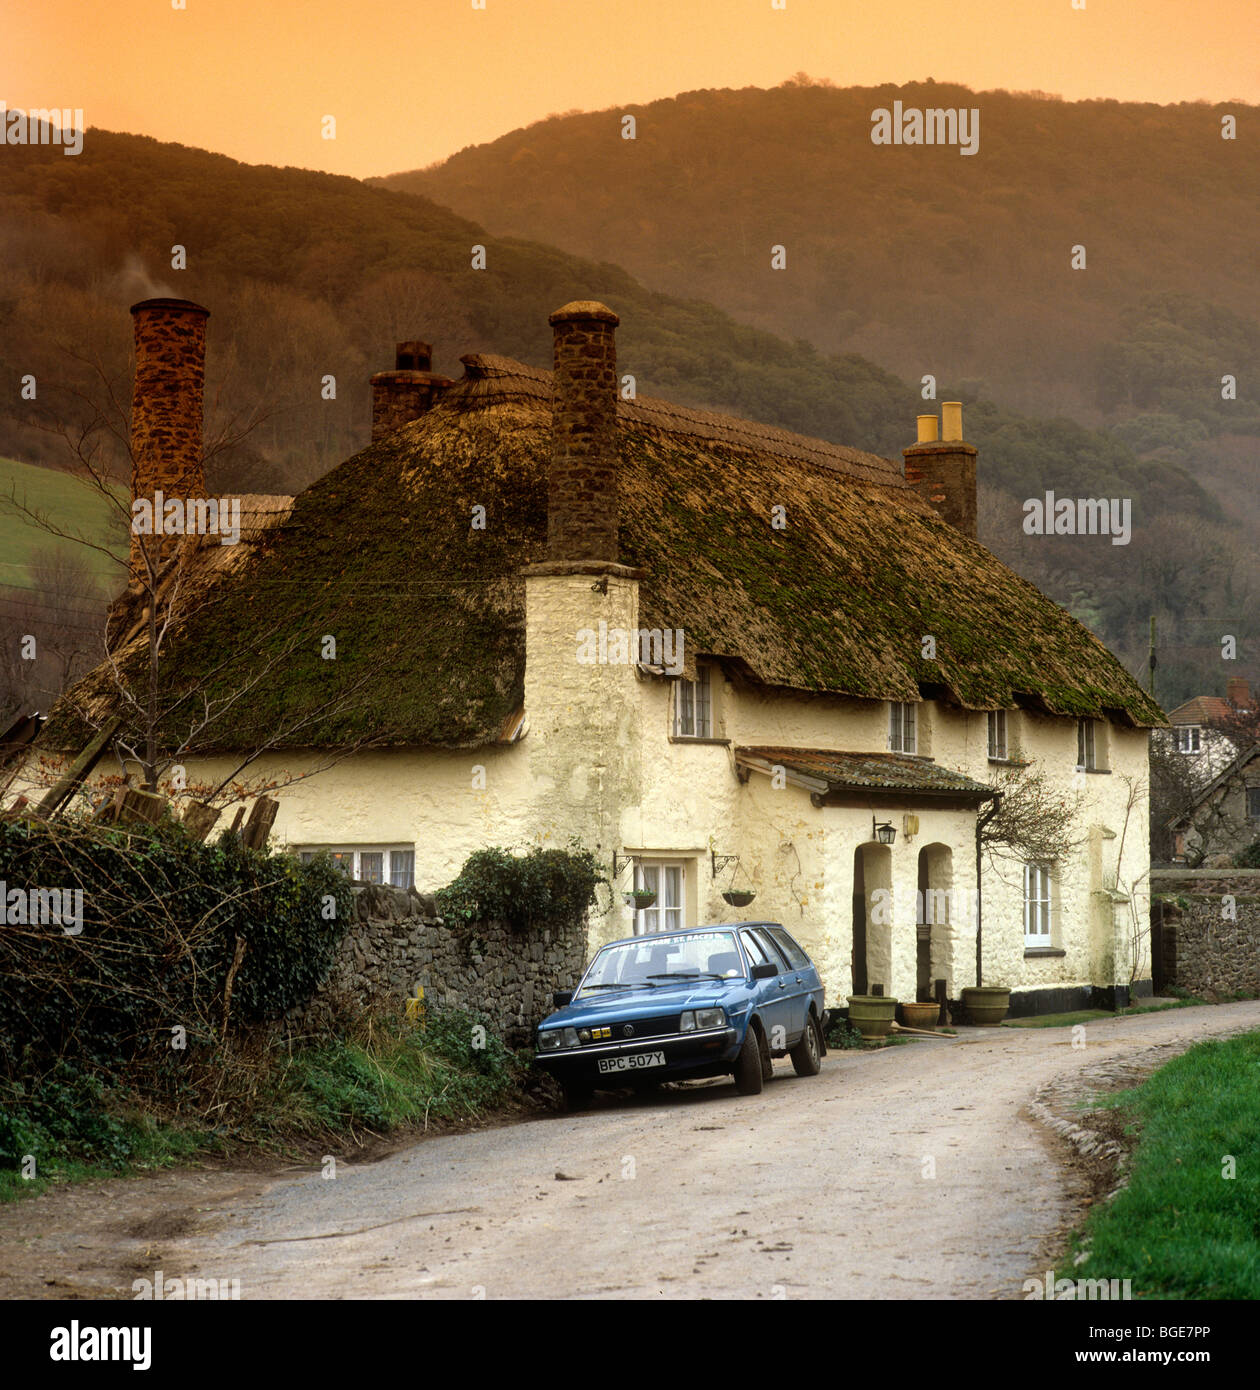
(912, 1172)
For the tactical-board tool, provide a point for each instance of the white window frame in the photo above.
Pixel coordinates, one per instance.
(693, 704)
(902, 727)
(1038, 904)
(355, 852)
(666, 916)
(1189, 738)
(1086, 745)
(999, 740)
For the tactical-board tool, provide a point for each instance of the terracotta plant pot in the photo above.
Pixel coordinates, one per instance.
(738, 897)
(986, 1005)
(921, 1015)
(872, 1014)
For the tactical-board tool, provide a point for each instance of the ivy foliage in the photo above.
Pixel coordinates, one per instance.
(526, 891)
(166, 922)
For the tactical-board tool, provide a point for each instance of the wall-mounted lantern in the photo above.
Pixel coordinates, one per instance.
(884, 831)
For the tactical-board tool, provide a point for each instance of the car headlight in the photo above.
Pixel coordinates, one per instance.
(710, 1018)
(687, 1022)
(570, 1038)
(548, 1041)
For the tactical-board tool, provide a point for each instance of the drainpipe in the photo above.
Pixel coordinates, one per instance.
(996, 798)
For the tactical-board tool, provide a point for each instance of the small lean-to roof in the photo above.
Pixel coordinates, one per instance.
(810, 566)
(827, 770)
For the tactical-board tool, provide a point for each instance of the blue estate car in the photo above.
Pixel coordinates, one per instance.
(709, 1001)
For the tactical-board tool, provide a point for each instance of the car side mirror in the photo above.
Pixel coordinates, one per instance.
(562, 997)
(765, 970)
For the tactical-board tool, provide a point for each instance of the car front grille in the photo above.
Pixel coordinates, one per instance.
(658, 1027)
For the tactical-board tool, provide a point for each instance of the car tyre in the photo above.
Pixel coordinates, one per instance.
(807, 1054)
(577, 1097)
(748, 1077)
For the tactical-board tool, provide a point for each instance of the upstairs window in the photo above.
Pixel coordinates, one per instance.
(693, 705)
(1086, 746)
(901, 728)
(1188, 738)
(997, 734)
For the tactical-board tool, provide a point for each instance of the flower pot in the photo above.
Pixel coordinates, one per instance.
(738, 897)
(986, 1005)
(639, 901)
(872, 1014)
(921, 1015)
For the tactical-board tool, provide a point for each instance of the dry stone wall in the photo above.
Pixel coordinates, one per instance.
(398, 941)
(1209, 921)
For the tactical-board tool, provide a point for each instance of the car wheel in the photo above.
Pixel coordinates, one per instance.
(748, 1078)
(807, 1054)
(577, 1097)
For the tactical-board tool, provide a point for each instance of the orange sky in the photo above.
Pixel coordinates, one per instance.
(411, 81)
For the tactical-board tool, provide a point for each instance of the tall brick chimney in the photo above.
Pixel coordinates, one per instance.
(166, 411)
(1238, 692)
(403, 395)
(943, 472)
(582, 482)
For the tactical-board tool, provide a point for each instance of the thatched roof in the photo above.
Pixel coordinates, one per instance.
(428, 614)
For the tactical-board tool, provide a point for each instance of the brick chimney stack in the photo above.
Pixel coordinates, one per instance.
(1238, 692)
(943, 472)
(406, 393)
(166, 411)
(582, 482)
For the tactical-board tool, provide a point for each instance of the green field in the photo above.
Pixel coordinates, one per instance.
(1187, 1223)
(71, 504)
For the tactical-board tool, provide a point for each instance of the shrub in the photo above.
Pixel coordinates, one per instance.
(542, 886)
(162, 918)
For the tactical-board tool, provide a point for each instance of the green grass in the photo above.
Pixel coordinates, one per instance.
(1181, 1229)
(1089, 1015)
(71, 504)
(389, 1075)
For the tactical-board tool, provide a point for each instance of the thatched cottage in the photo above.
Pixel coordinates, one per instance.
(726, 655)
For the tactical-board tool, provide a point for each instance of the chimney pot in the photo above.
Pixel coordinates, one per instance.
(1238, 692)
(951, 421)
(406, 393)
(927, 429)
(414, 356)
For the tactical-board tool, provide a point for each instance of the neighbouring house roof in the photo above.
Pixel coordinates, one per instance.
(1204, 709)
(834, 771)
(428, 614)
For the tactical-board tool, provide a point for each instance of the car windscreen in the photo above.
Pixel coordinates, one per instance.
(657, 960)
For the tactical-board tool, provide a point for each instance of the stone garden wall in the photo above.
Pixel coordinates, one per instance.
(1205, 927)
(398, 941)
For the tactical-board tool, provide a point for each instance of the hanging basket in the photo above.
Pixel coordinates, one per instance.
(639, 898)
(738, 897)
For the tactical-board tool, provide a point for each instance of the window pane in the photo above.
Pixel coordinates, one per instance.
(672, 895)
(756, 952)
(704, 720)
(402, 868)
(796, 957)
(908, 729)
(686, 709)
(372, 866)
(344, 860)
(894, 727)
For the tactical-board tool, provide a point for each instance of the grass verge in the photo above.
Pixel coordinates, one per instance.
(383, 1075)
(1186, 1225)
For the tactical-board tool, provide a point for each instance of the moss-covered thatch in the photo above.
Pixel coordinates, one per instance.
(428, 613)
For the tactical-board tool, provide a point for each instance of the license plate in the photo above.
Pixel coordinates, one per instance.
(636, 1061)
